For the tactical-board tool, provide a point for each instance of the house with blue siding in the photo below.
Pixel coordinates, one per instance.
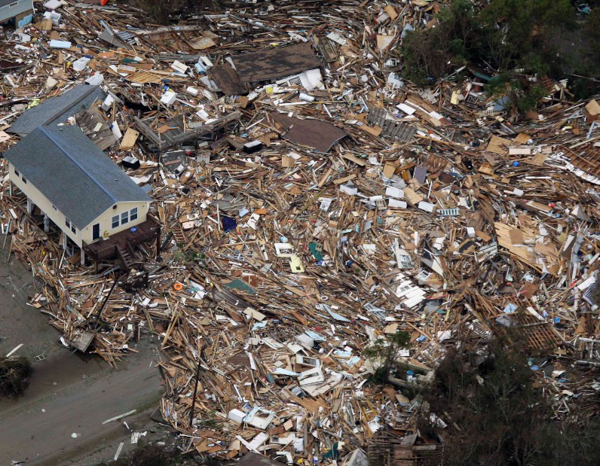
(21, 11)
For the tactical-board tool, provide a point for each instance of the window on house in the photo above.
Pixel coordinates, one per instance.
(16, 172)
(115, 221)
(24, 180)
(54, 207)
(133, 214)
(70, 225)
(13, 4)
(124, 218)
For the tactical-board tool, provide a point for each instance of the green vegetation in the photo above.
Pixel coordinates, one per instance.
(497, 416)
(513, 38)
(523, 95)
(505, 35)
(385, 351)
(150, 455)
(15, 373)
(162, 11)
(588, 67)
(592, 31)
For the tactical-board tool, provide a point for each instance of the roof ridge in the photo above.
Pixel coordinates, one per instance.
(48, 132)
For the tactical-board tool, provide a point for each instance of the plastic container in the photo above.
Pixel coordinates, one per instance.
(81, 64)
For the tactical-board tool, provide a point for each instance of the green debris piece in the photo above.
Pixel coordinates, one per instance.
(331, 454)
(315, 252)
(241, 285)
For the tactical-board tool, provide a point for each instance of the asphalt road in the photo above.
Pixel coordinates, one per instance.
(59, 419)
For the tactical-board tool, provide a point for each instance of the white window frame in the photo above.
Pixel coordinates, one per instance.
(118, 222)
(125, 217)
(133, 214)
(70, 225)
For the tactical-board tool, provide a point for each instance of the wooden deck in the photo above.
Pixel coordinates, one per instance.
(107, 249)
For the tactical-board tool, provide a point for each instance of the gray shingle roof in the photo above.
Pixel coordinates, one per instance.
(8, 2)
(57, 109)
(67, 168)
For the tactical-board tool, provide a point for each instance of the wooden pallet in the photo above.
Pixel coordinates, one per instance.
(537, 334)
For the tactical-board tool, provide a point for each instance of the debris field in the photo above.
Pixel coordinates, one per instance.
(310, 202)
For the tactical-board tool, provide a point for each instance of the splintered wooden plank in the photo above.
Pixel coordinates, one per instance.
(144, 77)
(498, 145)
(269, 64)
(504, 239)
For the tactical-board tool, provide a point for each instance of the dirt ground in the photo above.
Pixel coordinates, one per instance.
(20, 323)
(59, 420)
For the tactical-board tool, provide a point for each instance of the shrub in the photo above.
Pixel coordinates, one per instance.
(430, 54)
(385, 351)
(496, 415)
(15, 373)
(149, 455)
(587, 66)
(160, 11)
(504, 35)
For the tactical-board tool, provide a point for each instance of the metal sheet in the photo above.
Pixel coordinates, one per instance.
(391, 128)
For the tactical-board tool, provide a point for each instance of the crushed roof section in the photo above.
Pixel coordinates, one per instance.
(57, 109)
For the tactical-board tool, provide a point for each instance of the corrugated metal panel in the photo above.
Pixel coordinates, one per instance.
(391, 128)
